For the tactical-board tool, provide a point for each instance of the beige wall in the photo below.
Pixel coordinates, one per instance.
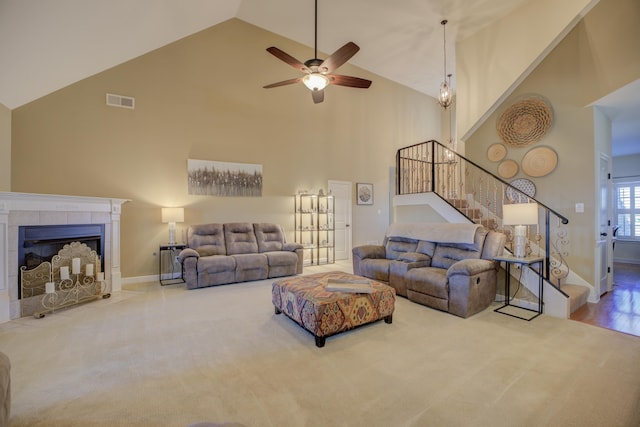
(5, 148)
(202, 98)
(567, 78)
(493, 61)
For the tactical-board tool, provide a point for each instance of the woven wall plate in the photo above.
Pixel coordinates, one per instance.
(507, 169)
(525, 122)
(539, 161)
(496, 152)
(525, 186)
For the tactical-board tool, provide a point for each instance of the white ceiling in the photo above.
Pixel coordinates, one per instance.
(48, 44)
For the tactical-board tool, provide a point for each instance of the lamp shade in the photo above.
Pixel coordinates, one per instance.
(520, 214)
(172, 215)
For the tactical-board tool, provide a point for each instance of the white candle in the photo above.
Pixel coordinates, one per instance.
(64, 273)
(75, 266)
(50, 287)
(100, 277)
(88, 270)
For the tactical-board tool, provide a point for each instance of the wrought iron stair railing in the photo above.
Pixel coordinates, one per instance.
(479, 195)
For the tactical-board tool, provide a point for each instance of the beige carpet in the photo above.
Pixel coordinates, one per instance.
(165, 356)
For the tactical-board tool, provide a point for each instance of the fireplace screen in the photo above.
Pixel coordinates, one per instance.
(39, 243)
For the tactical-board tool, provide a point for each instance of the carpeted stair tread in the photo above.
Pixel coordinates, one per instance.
(458, 203)
(577, 296)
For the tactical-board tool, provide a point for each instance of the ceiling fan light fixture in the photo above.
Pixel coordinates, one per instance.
(315, 81)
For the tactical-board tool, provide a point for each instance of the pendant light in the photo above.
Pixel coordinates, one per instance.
(446, 93)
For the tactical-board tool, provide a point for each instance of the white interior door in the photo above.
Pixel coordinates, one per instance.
(342, 192)
(603, 245)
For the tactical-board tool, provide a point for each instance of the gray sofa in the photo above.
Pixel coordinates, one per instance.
(218, 254)
(448, 267)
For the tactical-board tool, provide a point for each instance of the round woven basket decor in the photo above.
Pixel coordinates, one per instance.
(507, 169)
(539, 161)
(525, 122)
(496, 152)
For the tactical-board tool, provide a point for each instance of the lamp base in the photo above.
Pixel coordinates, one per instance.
(520, 246)
(172, 233)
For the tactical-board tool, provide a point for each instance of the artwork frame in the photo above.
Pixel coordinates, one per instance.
(364, 193)
(224, 179)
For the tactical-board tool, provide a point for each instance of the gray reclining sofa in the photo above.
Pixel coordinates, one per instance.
(448, 267)
(218, 254)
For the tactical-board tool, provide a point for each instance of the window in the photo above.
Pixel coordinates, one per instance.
(627, 210)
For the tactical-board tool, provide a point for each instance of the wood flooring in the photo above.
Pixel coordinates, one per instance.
(619, 309)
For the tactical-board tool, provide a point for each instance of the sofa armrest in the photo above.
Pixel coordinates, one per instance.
(187, 253)
(470, 267)
(291, 247)
(369, 251)
(472, 286)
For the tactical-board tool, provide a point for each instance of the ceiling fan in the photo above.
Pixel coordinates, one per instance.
(317, 71)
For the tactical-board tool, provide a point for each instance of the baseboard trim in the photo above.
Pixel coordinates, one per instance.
(139, 279)
(626, 261)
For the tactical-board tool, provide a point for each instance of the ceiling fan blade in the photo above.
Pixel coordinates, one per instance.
(318, 96)
(283, 83)
(338, 57)
(349, 81)
(283, 56)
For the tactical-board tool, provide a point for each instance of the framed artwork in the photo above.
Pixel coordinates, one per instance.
(364, 193)
(209, 178)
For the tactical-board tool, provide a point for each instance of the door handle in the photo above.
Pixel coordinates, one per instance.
(347, 225)
(603, 234)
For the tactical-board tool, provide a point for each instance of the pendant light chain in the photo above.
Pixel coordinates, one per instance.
(444, 46)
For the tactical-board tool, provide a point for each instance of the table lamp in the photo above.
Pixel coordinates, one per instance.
(520, 215)
(171, 216)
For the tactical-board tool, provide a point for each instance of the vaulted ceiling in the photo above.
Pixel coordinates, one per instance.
(47, 45)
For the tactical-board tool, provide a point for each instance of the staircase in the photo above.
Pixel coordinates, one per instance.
(476, 193)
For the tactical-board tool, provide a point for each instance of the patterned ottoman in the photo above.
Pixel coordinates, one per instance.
(324, 313)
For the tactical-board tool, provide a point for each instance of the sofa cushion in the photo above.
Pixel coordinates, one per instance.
(428, 280)
(240, 238)
(276, 258)
(270, 237)
(447, 254)
(396, 246)
(251, 267)
(207, 239)
(216, 264)
(282, 263)
(427, 248)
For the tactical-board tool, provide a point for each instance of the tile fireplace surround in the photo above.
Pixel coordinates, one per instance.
(19, 209)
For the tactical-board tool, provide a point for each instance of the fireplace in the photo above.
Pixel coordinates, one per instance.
(39, 243)
(67, 218)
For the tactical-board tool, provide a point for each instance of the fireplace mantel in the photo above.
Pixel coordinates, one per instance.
(19, 209)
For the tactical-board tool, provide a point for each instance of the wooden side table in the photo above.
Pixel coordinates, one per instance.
(174, 251)
(522, 262)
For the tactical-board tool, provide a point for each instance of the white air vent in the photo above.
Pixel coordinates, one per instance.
(121, 101)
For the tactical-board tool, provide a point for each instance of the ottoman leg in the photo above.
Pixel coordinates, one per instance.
(320, 341)
(388, 319)
(277, 310)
